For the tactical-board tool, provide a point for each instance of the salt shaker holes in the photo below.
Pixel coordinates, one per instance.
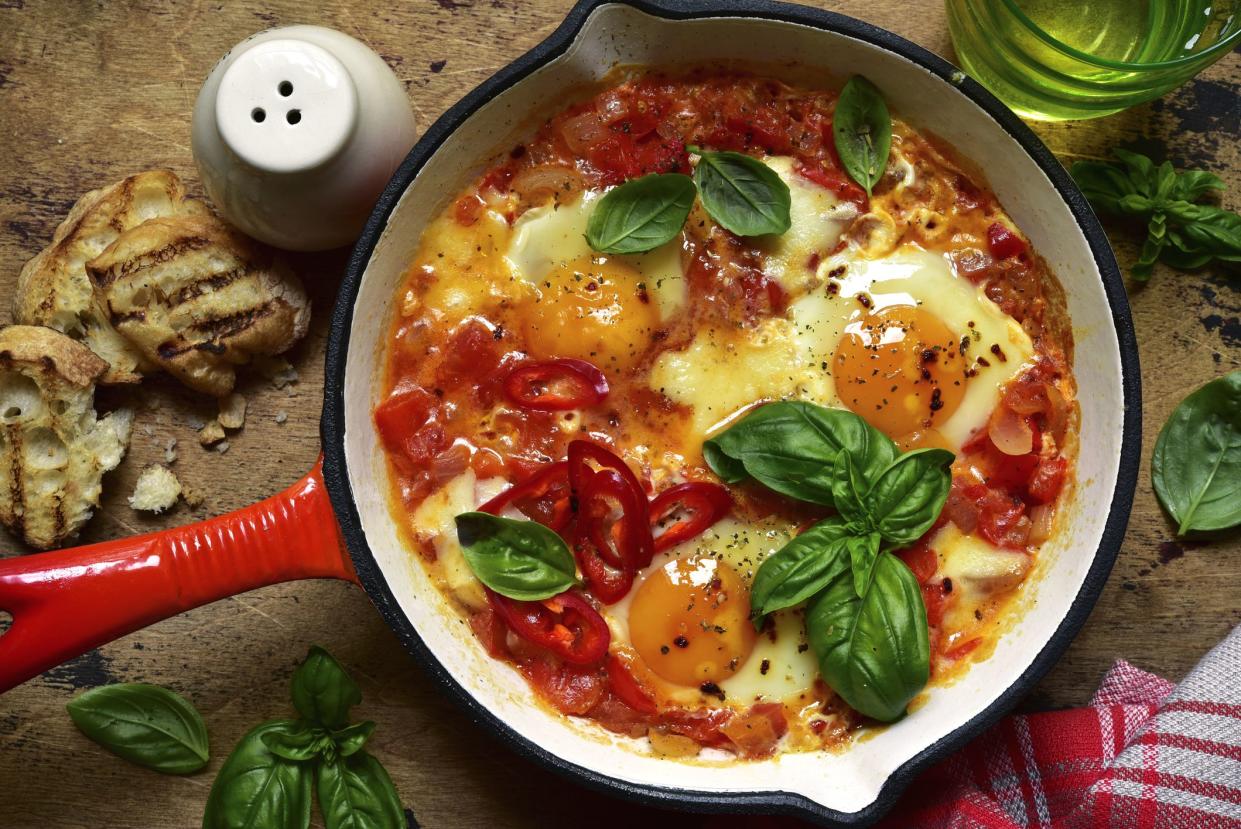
(293, 116)
(285, 89)
(258, 114)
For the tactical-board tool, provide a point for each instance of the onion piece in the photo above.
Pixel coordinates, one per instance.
(535, 185)
(1042, 521)
(581, 132)
(1010, 432)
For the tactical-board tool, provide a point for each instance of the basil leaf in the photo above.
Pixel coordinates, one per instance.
(522, 560)
(862, 129)
(791, 446)
(255, 789)
(863, 552)
(743, 194)
(323, 692)
(1103, 184)
(910, 494)
(1196, 466)
(800, 569)
(144, 724)
(357, 793)
(1192, 185)
(872, 650)
(641, 214)
(299, 744)
(350, 740)
(848, 491)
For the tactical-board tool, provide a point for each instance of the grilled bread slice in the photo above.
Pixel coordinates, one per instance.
(197, 298)
(53, 288)
(53, 450)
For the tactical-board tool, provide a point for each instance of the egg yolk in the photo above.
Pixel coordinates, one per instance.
(900, 368)
(594, 309)
(689, 621)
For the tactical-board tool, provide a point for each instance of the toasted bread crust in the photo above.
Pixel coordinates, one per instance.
(197, 298)
(53, 449)
(53, 288)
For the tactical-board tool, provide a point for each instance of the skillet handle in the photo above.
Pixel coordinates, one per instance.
(65, 602)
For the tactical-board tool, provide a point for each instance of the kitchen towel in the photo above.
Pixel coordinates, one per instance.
(1145, 754)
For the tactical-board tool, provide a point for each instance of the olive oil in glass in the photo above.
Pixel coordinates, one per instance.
(1062, 59)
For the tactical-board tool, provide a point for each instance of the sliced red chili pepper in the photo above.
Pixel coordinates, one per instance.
(556, 385)
(625, 686)
(686, 510)
(582, 454)
(543, 497)
(606, 546)
(566, 625)
(1003, 242)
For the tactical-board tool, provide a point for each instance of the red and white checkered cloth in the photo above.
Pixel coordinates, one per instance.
(1146, 754)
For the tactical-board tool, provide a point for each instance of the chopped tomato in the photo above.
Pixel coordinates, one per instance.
(921, 560)
(701, 725)
(490, 630)
(556, 385)
(614, 714)
(566, 625)
(1001, 517)
(572, 689)
(407, 427)
(1047, 480)
(1003, 243)
(936, 600)
(687, 510)
(627, 688)
(467, 209)
(834, 180)
(757, 732)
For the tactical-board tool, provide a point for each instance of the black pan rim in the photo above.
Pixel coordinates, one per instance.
(756, 802)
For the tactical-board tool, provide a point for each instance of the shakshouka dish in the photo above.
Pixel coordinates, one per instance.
(730, 413)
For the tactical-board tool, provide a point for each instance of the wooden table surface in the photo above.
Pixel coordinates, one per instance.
(91, 92)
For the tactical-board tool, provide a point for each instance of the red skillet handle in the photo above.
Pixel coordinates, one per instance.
(66, 602)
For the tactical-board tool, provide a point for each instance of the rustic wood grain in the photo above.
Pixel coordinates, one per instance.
(90, 92)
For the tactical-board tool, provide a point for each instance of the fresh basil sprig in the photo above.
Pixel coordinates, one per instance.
(144, 724)
(865, 616)
(1180, 232)
(1196, 466)
(872, 644)
(791, 446)
(742, 193)
(256, 789)
(522, 560)
(269, 779)
(641, 214)
(862, 129)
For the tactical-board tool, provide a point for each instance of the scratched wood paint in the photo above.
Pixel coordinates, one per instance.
(91, 92)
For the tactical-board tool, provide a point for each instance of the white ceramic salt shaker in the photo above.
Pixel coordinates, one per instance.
(295, 133)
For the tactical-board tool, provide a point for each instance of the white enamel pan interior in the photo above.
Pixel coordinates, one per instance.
(856, 785)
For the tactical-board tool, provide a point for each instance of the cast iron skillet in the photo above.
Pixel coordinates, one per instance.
(69, 601)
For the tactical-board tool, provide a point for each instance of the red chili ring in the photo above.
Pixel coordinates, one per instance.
(535, 489)
(706, 502)
(581, 454)
(556, 385)
(608, 575)
(565, 624)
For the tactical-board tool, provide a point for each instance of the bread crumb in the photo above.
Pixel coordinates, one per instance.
(157, 489)
(277, 370)
(193, 498)
(170, 451)
(222, 447)
(195, 422)
(232, 411)
(148, 430)
(211, 434)
(281, 416)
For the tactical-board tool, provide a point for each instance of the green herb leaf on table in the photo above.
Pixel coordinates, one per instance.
(873, 649)
(1180, 232)
(910, 494)
(323, 692)
(642, 214)
(1196, 466)
(862, 129)
(300, 744)
(522, 560)
(800, 569)
(791, 446)
(743, 194)
(144, 724)
(357, 793)
(349, 741)
(256, 789)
